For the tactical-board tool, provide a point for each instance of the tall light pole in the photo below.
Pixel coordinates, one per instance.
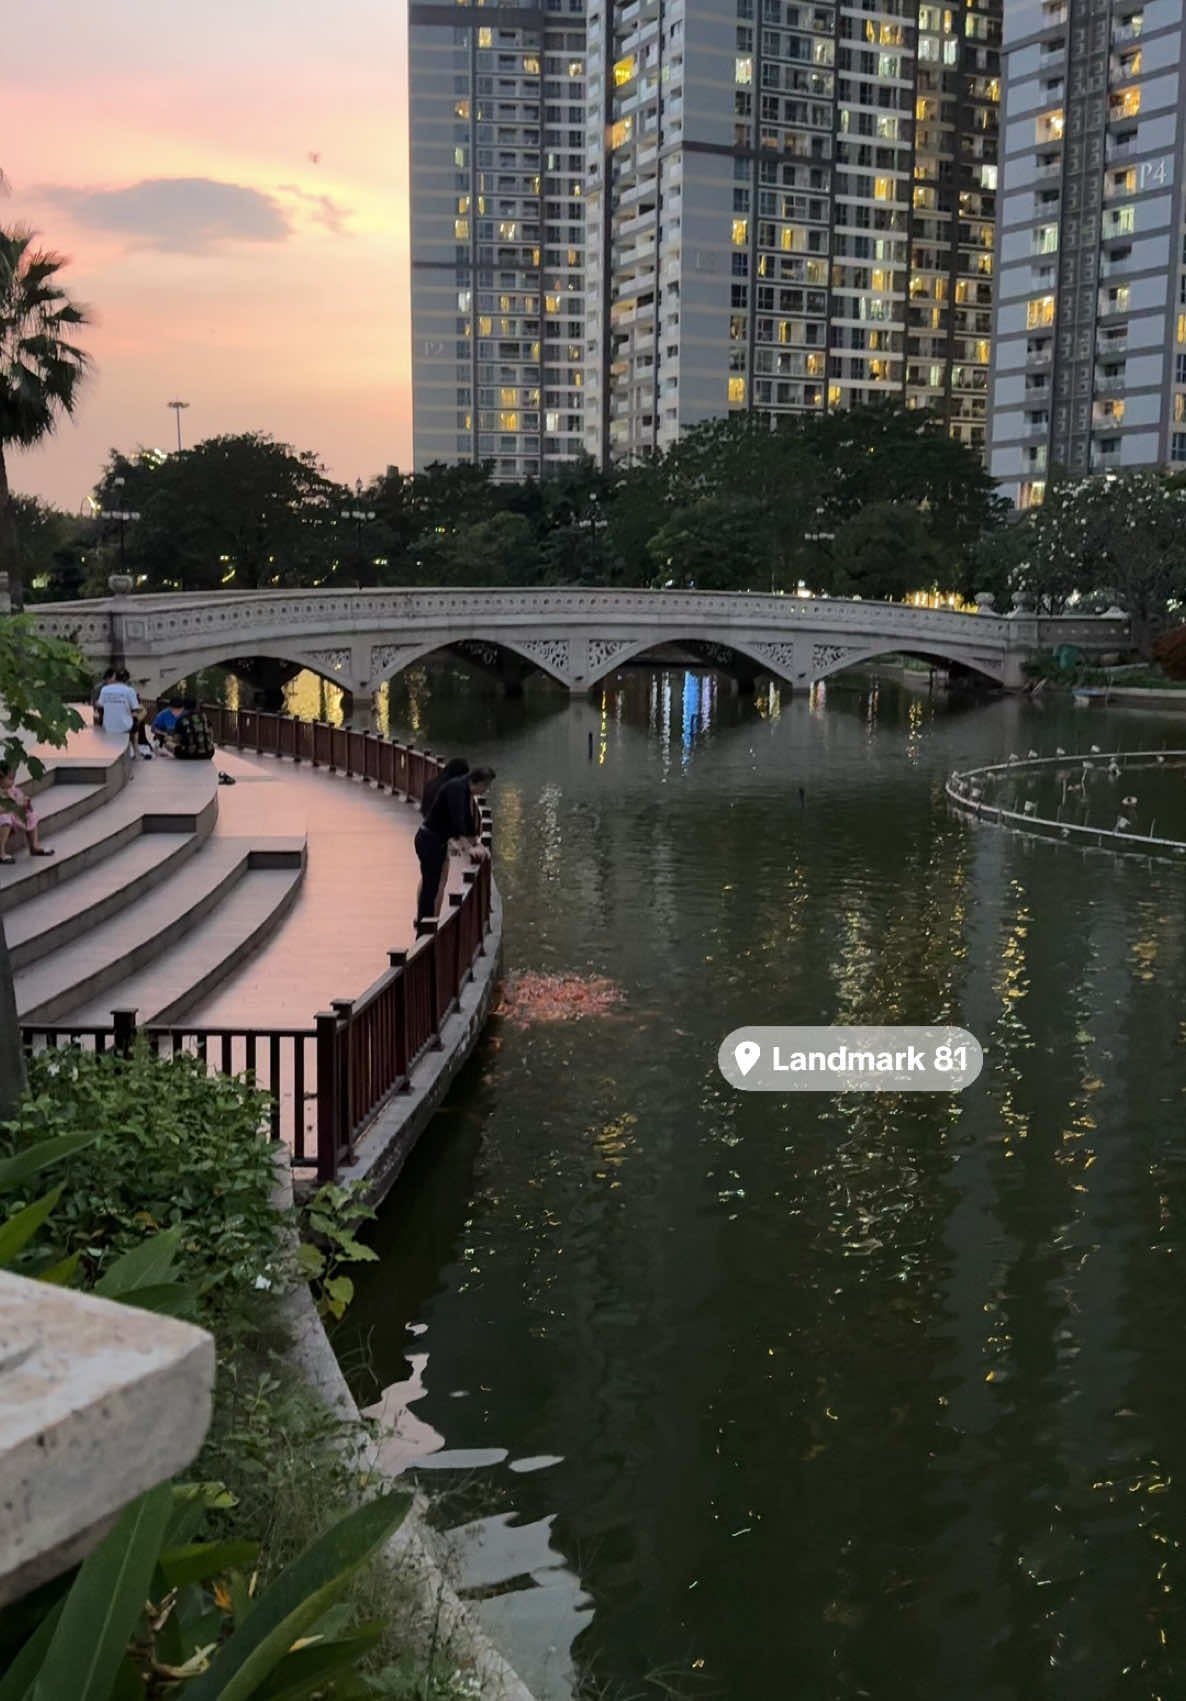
(361, 516)
(178, 409)
(123, 515)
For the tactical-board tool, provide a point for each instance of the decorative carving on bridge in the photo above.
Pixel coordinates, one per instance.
(604, 650)
(827, 655)
(389, 658)
(330, 661)
(488, 654)
(780, 658)
(551, 653)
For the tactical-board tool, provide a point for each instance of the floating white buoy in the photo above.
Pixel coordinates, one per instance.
(1031, 754)
(1129, 802)
(1121, 824)
(1059, 751)
(1013, 756)
(975, 793)
(1031, 807)
(1095, 750)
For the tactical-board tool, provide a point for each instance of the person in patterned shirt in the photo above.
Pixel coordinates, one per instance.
(191, 739)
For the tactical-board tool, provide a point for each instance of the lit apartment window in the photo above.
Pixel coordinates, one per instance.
(1130, 63)
(1179, 407)
(1119, 221)
(1040, 311)
(620, 132)
(485, 38)
(1112, 410)
(736, 390)
(485, 325)
(1182, 327)
(461, 108)
(883, 188)
(740, 232)
(1049, 126)
(835, 393)
(1178, 446)
(508, 397)
(461, 229)
(624, 70)
(743, 71)
(508, 421)
(1125, 103)
(1033, 494)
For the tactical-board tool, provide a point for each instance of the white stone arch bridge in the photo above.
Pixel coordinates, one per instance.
(361, 639)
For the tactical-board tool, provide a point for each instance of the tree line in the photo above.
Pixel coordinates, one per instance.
(876, 502)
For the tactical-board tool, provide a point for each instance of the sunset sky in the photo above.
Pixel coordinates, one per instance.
(166, 151)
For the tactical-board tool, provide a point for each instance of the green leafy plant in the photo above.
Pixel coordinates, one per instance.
(156, 1145)
(331, 1217)
(152, 1612)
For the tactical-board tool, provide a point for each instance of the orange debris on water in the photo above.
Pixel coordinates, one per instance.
(556, 998)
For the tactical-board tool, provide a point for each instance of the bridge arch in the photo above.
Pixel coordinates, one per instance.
(742, 648)
(936, 654)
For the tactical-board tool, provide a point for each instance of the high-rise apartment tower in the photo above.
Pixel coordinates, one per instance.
(497, 100)
(790, 208)
(1089, 367)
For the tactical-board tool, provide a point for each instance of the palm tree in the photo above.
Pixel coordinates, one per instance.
(41, 368)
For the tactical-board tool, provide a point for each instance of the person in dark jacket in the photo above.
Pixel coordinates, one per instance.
(452, 770)
(452, 819)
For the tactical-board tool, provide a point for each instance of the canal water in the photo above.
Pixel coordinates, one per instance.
(809, 1397)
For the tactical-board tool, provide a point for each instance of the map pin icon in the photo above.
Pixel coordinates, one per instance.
(747, 1053)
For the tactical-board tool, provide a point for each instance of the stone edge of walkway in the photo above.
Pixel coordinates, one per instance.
(443, 1619)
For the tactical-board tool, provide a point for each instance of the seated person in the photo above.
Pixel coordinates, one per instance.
(16, 811)
(167, 719)
(192, 739)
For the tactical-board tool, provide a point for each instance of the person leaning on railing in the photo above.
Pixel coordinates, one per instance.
(453, 818)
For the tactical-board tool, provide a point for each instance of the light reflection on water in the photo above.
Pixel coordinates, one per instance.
(871, 1397)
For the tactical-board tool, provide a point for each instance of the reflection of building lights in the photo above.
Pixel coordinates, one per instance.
(604, 744)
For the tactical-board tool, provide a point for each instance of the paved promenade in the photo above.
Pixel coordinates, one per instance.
(356, 902)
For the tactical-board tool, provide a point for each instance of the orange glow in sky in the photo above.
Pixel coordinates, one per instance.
(229, 184)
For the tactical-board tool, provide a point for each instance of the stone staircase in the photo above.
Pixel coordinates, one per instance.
(146, 904)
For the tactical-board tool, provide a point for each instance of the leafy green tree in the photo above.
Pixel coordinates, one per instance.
(497, 551)
(1136, 529)
(41, 366)
(719, 543)
(241, 512)
(37, 678)
(48, 549)
(885, 550)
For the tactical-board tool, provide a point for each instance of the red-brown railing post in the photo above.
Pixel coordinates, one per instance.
(427, 928)
(124, 1037)
(344, 1010)
(399, 962)
(456, 899)
(327, 1096)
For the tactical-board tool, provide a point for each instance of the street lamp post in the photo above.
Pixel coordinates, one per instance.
(178, 409)
(123, 515)
(361, 516)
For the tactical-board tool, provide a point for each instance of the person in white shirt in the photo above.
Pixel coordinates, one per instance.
(121, 709)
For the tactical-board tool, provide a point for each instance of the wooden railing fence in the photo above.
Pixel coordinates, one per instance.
(329, 1082)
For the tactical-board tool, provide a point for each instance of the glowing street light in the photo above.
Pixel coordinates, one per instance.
(178, 409)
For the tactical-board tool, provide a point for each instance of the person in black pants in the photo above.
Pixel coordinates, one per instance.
(452, 818)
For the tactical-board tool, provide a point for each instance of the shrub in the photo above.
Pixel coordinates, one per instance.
(173, 1145)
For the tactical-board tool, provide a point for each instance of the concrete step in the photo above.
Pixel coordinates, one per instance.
(115, 821)
(72, 908)
(170, 988)
(79, 972)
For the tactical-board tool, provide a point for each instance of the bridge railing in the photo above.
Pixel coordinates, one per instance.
(327, 1084)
